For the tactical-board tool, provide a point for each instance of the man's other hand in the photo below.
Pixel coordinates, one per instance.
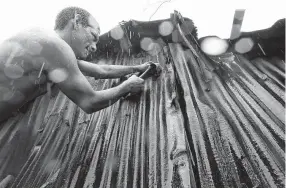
(145, 66)
(158, 69)
(135, 84)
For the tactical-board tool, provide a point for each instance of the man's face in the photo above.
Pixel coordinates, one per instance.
(84, 39)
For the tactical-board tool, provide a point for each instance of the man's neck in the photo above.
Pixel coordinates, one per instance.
(62, 35)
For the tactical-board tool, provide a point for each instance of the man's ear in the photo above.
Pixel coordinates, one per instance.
(76, 21)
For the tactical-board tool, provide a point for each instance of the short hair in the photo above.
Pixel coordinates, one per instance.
(65, 15)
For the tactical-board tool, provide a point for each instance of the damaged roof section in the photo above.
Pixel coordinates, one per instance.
(207, 121)
(265, 42)
(129, 36)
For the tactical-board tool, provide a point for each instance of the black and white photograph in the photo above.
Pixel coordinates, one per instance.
(142, 94)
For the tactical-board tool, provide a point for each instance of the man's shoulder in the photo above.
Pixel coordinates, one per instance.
(34, 36)
(36, 39)
(37, 44)
(32, 33)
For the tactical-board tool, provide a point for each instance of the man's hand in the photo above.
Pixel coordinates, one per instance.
(145, 66)
(112, 71)
(135, 84)
(158, 69)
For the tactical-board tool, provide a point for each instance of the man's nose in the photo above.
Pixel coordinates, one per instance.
(92, 47)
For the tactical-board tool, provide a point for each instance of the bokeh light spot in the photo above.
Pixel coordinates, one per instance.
(58, 75)
(16, 49)
(214, 46)
(146, 44)
(13, 71)
(5, 93)
(117, 33)
(244, 45)
(155, 48)
(34, 48)
(166, 28)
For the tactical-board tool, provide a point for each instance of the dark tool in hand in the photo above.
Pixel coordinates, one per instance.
(152, 69)
(149, 71)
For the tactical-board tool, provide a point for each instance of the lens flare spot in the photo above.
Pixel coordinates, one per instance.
(146, 44)
(244, 45)
(34, 48)
(13, 71)
(166, 28)
(15, 48)
(117, 33)
(58, 75)
(214, 46)
(5, 93)
(155, 48)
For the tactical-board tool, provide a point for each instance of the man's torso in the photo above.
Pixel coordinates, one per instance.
(24, 60)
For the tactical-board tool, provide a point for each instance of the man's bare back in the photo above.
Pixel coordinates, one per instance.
(24, 60)
(33, 58)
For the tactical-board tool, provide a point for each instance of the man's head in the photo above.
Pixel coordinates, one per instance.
(79, 29)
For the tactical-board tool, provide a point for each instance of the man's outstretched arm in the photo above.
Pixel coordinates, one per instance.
(109, 71)
(77, 88)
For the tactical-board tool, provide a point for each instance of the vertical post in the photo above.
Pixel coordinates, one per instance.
(237, 23)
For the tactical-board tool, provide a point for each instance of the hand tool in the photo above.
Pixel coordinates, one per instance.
(149, 71)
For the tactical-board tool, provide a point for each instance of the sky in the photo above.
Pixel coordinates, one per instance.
(212, 17)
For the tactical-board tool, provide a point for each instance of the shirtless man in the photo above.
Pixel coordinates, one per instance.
(31, 60)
